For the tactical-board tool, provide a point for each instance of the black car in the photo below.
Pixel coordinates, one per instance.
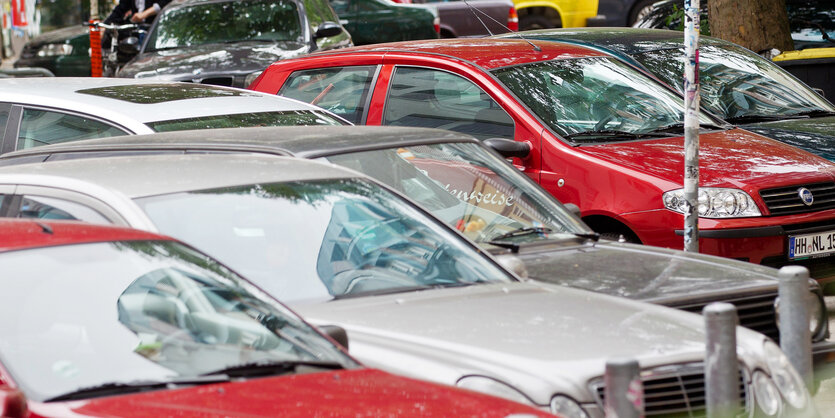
(229, 42)
(736, 84)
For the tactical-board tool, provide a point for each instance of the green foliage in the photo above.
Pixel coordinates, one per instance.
(675, 21)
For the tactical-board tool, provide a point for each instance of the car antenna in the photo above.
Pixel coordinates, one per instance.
(475, 12)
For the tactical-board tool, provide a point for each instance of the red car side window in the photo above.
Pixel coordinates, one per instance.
(342, 90)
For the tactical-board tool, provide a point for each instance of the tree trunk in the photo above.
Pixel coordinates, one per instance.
(758, 25)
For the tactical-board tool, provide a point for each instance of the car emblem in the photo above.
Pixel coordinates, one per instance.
(806, 196)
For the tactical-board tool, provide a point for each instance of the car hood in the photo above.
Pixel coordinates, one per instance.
(60, 35)
(732, 158)
(363, 392)
(816, 135)
(198, 61)
(644, 273)
(517, 332)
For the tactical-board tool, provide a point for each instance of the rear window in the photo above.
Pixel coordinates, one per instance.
(160, 93)
(286, 118)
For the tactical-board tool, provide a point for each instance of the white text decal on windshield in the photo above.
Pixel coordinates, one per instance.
(479, 197)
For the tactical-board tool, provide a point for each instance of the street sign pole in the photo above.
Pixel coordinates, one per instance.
(691, 126)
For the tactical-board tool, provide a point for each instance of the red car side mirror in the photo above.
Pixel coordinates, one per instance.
(12, 402)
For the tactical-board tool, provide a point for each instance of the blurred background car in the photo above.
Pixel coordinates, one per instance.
(535, 14)
(460, 19)
(414, 296)
(64, 52)
(737, 85)
(139, 324)
(228, 43)
(473, 190)
(375, 21)
(42, 111)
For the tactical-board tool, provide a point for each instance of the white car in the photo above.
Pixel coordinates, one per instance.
(415, 296)
(41, 111)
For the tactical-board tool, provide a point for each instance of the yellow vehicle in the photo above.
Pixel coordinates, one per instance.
(813, 66)
(543, 14)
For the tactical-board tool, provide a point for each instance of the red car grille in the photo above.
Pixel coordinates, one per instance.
(786, 200)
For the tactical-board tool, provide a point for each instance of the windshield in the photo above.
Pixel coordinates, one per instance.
(245, 120)
(86, 315)
(594, 94)
(229, 21)
(467, 187)
(318, 240)
(736, 82)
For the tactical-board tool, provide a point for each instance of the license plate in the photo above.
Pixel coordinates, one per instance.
(808, 245)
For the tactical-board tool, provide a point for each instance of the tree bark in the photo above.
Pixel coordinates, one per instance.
(758, 25)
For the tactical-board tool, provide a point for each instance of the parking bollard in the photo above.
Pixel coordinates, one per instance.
(795, 335)
(624, 392)
(721, 363)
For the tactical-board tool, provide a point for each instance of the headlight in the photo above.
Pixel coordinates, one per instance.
(768, 396)
(567, 407)
(51, 50)
(788, 382)
(816, 314)
(492, 387)
(715, 202)
(250, 78)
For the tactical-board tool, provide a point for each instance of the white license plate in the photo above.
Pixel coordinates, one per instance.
(808, 245)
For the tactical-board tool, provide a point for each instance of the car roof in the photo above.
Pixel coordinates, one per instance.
(484, 52)
(17, 234)
(624, 40)
(149, 175)
(128, 101)
(300, 141)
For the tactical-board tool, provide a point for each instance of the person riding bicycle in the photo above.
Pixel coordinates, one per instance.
(135, 11)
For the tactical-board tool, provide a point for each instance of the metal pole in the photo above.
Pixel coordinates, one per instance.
(691, 126)
(94, 10)
(795, 335)
(721, 363)
(624, 391)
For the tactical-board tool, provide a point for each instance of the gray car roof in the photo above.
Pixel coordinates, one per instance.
(301, 141)
(63, 93)
(141, 176)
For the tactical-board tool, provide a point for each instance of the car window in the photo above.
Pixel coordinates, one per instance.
(5, 108)
(42, 127)
(319, 11)
(40, 207)
(340, 6)
(342, 90)
(436, 99)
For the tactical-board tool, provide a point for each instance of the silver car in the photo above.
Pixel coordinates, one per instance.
(415, 297)
(41, 111)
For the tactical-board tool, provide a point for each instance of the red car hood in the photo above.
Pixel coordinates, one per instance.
(733, 158)
(363, 392)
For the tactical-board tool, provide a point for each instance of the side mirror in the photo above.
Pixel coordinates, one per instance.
(12, 402)
(509, 148)
(327, 29)
(819, 91)
(337, 333)
(129, 45)
(513, 264)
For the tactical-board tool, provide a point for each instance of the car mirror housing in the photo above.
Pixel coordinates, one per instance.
(12, 402)
(509, 148)
(328, 29)
(336, 333)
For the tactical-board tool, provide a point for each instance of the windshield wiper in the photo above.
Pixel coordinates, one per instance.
(609, 134)
(813, 113)
(679, 127)
(271, 368)
(760, 118)
(520, 232)
(594, 236)
(115, 388)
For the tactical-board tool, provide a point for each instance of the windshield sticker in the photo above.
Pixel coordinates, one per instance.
(479, 197)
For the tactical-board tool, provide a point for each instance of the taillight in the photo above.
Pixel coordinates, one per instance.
(437, 24)
(512, 19)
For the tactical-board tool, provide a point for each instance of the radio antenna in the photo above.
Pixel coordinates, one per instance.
(475, 11)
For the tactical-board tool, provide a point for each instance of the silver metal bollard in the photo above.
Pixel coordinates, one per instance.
(795, 335)
(624, 392)
(721, 363)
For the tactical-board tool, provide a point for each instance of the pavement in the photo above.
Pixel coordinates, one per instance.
(825, 374)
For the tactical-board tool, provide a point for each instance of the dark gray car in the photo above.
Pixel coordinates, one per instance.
(472, 189)
(229, 42)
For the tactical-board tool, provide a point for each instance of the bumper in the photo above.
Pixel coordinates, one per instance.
(762, 240)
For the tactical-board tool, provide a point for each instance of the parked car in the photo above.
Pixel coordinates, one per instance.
(64, 52)
(623, 12)
(376, 21)
(139, 324)
(737, 85)
(229, 42)
(467, 19)
(462, 182)
(414, 296)
(557, 14)
(35, 112)
(593, 131)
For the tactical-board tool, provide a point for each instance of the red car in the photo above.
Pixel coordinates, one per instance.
(102, 321)
(593, 132)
